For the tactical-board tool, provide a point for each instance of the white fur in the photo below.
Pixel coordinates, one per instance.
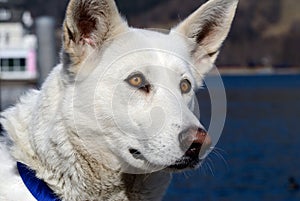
(76, 131)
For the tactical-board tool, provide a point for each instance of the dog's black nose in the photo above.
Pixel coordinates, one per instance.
(200, 143)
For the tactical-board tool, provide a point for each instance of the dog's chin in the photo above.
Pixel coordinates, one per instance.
(185, 163)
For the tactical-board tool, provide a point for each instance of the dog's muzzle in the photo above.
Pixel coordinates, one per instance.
(199, 142)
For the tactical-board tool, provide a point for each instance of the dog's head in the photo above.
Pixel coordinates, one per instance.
(132, 91)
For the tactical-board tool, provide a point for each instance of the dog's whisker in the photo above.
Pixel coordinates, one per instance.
(201, 168)
(205, 169)
(211, 170)
(185, 174)
(210, 165)
(220, 156)
(220, 150)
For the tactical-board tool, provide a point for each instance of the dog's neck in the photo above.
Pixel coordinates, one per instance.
(78, 176)
(40, 140)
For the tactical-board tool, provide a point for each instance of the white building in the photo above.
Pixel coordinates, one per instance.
(17, 53)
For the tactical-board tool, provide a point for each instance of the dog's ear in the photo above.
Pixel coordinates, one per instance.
(87, 25)
(206, 29)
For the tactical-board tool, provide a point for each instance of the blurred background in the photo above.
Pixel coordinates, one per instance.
(258, 154)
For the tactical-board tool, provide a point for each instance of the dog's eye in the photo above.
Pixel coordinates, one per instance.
(138, 81)
(185, 86)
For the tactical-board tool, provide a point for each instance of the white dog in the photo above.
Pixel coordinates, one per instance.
(116, 117)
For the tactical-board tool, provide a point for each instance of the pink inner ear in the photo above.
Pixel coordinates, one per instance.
(87, 25)
(89, 41)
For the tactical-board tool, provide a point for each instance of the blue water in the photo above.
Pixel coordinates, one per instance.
(260, 144)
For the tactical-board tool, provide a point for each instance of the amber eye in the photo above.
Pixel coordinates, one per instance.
(136, 80)
(185, 86)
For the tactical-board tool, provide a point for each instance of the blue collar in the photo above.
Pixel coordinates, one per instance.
(38, 188)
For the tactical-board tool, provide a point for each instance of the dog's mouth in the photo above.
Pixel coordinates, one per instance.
(185, 162)
(136, 154)
(190, 160)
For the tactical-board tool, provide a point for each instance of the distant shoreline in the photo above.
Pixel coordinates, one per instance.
(256, 71)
